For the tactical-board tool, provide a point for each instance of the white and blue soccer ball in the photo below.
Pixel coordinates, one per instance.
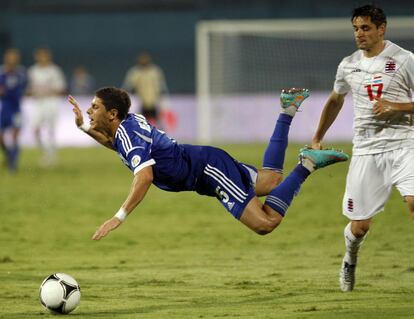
(60, 293)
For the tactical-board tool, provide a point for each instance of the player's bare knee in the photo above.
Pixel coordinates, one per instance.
(275, 182)
(263, 230)
(360, 228)
(266, 227)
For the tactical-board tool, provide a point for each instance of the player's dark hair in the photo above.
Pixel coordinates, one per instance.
(376, 14)
(114, 98)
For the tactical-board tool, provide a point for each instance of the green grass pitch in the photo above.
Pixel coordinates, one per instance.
(183, 256)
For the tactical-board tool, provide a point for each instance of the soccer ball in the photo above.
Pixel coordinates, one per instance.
(59, 293)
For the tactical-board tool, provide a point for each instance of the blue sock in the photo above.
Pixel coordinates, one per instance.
(274, 156)
(13, 157)
(281, 197)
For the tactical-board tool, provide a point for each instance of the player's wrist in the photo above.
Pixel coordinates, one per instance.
(121, 214)
(84, 127)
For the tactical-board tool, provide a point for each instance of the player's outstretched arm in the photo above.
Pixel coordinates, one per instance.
(96, 135)
(330, 112)
(140, 185)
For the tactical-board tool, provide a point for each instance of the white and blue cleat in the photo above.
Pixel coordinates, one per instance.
(322, 158)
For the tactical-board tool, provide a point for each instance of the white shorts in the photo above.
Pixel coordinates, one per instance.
(370, 180)
(46, 112)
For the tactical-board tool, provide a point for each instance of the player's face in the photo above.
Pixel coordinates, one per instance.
(12, 58)
(368, 36)
(98, 115)
(43, 57)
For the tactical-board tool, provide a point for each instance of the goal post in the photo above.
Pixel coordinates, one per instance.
(242, 65)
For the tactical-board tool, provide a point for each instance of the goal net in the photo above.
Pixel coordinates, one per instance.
(243, 65)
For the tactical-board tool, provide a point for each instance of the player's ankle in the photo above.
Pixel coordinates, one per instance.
(351, 258)
(308, 164)
(290, 110)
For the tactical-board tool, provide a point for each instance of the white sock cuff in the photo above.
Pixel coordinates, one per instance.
(348, 233)
(290, 110)
(308, 164)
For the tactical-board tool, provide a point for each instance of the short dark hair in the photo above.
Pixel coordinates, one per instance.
(376, 14)
(114, 98)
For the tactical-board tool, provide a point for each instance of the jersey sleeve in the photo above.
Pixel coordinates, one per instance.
(136, 149)
(340, 85)
(23, 79)
(410, 71)
(2, 78)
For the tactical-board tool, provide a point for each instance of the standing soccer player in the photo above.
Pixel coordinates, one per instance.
(13, 82)
(380, 76)
(148, 82)
(156, 159)
(46, 85)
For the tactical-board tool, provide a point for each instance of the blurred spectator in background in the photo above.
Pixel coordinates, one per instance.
(81, 83)
(147, 81)
(46, 85)
(13, 80)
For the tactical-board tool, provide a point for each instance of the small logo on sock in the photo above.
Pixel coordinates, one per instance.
(350, 205)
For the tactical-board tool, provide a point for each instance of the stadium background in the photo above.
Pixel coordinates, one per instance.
(182, 255)
(105, 36)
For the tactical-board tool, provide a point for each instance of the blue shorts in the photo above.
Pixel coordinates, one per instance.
(9, 118)
(230, 181)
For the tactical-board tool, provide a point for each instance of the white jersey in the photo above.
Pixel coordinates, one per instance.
(46, 81)
(389, 75)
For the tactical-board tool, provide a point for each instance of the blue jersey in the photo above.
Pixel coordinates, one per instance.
(182, 167)
(13, 83)
(139, 145)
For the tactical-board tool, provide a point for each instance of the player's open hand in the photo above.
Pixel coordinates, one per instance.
(383, 108)
(76, 110)
(106, 227)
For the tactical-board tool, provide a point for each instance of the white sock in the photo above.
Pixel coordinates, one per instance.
(290, 110)
(308, 164)
(352, 245)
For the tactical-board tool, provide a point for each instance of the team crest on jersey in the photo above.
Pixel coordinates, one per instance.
(390, 66)
(135, 160)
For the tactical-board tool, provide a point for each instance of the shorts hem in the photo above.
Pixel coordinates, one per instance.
(242, 206)
(361, 217)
